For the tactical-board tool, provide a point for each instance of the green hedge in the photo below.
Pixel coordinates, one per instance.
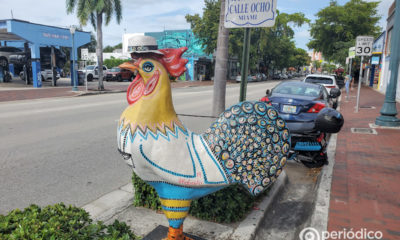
(59, 222)
(227, 205)
(113, 62)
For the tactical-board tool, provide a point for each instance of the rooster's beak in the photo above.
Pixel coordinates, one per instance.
(131, 66)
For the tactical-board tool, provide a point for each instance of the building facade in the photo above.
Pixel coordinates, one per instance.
(200, 65)
(385, 57)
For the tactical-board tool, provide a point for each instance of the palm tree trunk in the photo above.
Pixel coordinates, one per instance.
(221, 65)
(99, 49)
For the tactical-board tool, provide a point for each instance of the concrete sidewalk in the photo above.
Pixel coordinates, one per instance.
(117, 205)
(365, 191)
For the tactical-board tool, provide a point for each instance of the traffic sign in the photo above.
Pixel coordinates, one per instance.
(250, 13)
(364, 45)
(352, 52)
(85, 54)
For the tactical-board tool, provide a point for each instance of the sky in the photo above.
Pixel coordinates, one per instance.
(155, 15)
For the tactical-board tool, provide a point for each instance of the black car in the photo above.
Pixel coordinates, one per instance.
(21, 58)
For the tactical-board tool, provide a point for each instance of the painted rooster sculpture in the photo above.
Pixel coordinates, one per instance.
(248, 144)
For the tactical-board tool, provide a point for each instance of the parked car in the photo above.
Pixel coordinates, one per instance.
(252, 78)
(45, 57)
(20, 58)
(249, 78)
(92, 72)
(118, 74)
(327, 81)
(45, 74)
(238, 78)
(308, 113)
(284, 76)
(5, 53)
(277, 76)
(261, 77)
(48, 74)
(299, 102)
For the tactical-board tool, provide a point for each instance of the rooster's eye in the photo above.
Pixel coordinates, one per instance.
(148, 67)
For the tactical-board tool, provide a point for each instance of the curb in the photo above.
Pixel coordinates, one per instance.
(111, 203)
(320, 216)
(116, 202)
(248, 227)
(88, 93)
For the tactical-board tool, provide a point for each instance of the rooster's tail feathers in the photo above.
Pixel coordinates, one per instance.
(251, 141)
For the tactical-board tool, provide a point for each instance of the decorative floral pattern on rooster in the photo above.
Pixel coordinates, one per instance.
(248, 144)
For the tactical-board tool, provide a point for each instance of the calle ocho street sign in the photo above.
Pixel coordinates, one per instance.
(249, 13)
(364, 45)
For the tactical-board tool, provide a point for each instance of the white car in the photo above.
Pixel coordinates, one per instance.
(48, 74)
(327, 81)
(92, 72)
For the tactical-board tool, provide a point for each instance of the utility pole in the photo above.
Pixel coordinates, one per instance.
(245, 64)
(221, 63)
(389, 111)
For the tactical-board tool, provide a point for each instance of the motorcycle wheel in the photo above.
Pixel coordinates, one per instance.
(319, 159)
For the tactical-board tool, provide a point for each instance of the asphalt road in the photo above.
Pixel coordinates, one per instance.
(64, 149)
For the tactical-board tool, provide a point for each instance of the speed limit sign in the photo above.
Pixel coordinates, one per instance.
(364, 45)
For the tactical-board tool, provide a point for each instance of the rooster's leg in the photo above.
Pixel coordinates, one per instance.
(176, 212)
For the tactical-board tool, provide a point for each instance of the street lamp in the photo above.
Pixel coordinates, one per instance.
(74, 77)
(388, 112)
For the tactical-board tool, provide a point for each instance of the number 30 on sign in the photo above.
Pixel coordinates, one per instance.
(364, 45)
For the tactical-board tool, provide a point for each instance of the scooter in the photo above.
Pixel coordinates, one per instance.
(309, 149)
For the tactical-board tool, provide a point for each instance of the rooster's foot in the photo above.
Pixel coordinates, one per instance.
(176, 234)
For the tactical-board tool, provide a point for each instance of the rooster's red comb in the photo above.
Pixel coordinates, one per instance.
(173, 61)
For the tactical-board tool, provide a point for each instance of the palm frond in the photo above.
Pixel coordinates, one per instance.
(70, 5)
(83, 11)
(118, 10)
(93, 19)
(108, 11)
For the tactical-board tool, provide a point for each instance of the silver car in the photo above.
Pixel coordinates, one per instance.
(5, 53)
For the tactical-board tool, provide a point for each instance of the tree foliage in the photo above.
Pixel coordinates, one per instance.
(272, 48)
(95, 11)
(110, 49)
(206, 27)
(337, 27)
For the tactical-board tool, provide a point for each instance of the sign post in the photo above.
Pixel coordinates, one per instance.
(247, 14)
(85, 57)
(352, 54)
(363, 48)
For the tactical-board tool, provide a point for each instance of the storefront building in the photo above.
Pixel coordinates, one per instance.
(35, 37)
(200, 65)
(385, 57)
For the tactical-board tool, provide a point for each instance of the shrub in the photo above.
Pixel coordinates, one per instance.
(59, 222)
(227, 205)
(145, 195)
(114, 62)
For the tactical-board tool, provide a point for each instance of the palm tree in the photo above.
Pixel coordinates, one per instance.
(221, 65)
(95, 10)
